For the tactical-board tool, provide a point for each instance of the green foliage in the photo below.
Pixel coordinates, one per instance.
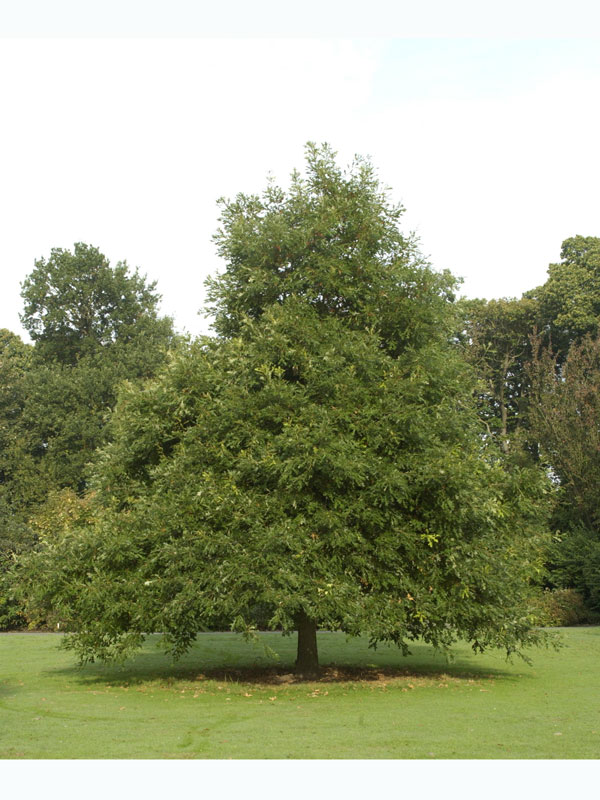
(76, 303)
(496, 333)
(15, 537)
(565, 414)
(575, 561)
(93, 327)
(332, 240)
(322, 457)
(15, 357)
(552, 403)
(15, 364)
(570, 299)
(496, 338)
(563, 608)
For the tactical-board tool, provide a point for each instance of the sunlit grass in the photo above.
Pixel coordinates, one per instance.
(231, 699)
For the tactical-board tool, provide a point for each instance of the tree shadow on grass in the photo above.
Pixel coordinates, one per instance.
(246, 667)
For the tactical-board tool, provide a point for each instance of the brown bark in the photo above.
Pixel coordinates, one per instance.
(307, 659)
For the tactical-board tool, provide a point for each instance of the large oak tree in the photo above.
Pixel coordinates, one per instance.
(321, 456)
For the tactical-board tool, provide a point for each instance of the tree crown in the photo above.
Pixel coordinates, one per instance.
(333, 239)
(75, 302)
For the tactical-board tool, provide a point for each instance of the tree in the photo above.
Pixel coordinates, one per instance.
(565, 419)
(321, 456)
(496, 339)
(565, 413)
(496, 333)
(15, 359)
(570, 299)
(76, 304)
(93, 327)
(15, 495)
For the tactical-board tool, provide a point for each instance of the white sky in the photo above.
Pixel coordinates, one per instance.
(490, 144)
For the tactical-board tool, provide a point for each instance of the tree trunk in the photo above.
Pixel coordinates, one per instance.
(307, 659)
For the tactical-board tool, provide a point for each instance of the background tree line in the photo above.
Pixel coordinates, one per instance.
(92, 326)
(345, 391)
(538, 360)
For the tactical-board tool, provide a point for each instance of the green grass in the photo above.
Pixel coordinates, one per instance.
(218, 702)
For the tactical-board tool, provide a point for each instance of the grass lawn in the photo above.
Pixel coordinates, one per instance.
(218, 702)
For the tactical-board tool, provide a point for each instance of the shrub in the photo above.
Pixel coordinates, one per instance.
(563, 607)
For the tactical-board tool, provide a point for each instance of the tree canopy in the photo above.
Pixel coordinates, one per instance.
(333, 240)
(565, 414)
(76, 303)
(537, 358)
(18, 479)
(496, 337)
(569, 300)
(322, 456)
(92, 326)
